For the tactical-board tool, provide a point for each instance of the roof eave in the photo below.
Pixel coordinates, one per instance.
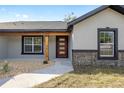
(93, 12)
(32, 30)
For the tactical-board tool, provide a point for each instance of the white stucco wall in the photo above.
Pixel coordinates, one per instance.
(11, 48)
(84, 35)
(70, 43)
(3, 47)
(15, 48)
(52, 47)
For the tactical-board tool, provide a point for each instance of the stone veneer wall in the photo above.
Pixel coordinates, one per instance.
(82, 58)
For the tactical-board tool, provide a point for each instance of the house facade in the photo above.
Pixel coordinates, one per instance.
(94, 38)
(98, 37)
(33, 41)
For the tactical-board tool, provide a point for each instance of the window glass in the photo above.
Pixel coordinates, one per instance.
(28, 40)
(106, 43)
(33, 44)
(28, 48)
(37, 40)
(37, 48)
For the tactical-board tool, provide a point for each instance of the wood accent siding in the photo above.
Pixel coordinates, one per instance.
(46, 47)
(36, 33)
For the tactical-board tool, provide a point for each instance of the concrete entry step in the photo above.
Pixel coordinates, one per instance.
(63, 61)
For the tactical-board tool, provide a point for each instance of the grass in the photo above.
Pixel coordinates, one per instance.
(89, 77)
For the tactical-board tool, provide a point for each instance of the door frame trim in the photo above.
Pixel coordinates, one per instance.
(115, 30)
(67, 47)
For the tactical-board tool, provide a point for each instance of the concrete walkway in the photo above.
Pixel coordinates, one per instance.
(30, 79)
(4, 80)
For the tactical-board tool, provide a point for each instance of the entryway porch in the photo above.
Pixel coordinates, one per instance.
(12, 46)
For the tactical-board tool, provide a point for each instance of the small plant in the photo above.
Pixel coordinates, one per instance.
(6, 67)
(45, 62)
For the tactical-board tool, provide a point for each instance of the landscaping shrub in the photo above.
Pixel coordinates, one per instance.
(6, 67)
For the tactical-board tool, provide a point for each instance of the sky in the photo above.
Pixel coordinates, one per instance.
(41, 12)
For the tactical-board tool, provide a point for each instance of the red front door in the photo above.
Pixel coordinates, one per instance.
(61, 46)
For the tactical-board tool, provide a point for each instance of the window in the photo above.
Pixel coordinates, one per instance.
(32, 44)
(107, 43)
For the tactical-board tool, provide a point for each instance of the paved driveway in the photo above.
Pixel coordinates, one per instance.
(30, 79)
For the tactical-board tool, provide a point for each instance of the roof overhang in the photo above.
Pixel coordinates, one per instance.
(117, 8)
(32, 30)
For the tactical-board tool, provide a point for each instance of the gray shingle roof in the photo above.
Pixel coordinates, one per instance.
(51, 26)
(34, 25)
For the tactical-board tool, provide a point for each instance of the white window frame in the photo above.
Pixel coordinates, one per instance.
(112, 44)
(32, 44)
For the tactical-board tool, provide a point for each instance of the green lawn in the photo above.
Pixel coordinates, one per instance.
(89, 77)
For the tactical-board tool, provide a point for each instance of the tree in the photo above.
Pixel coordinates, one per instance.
(69, 17)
